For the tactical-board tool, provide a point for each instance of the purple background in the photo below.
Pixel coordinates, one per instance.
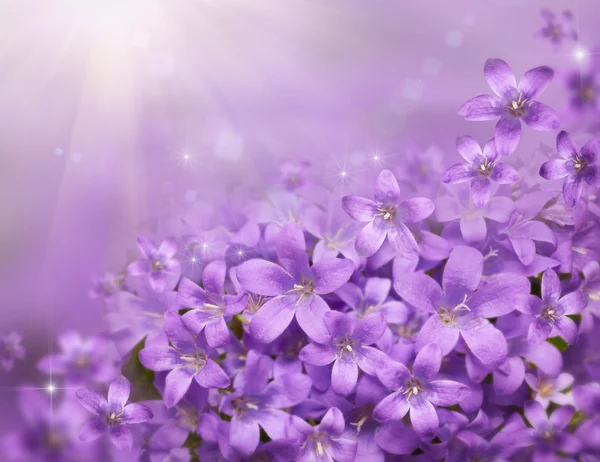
(99, 101)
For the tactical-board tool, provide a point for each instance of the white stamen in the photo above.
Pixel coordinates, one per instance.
(320, 448)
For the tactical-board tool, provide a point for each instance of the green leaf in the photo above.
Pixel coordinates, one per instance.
(142, 379)
(193, 442)
(558, 343)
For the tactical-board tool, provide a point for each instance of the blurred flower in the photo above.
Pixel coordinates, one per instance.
(82, 360)
(158, 264)
(113, 414)
(557, 28)
(11, 350)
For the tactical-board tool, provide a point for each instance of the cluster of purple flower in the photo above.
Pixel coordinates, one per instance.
(460, 326)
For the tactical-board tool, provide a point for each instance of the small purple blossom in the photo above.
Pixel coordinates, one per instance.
(512, 103)
(211, 307)
(557, 28)
(549, 434)
(480, 169)
(548, 389)
(258, 402)
(11, 350)
(324, 441)
(158, 263)
(113, 414)
(550, 312)
(386, 217)
(349, 348)
(186, 359)
(418, 391)
(295, 285)
(82, 359)
(577, 166)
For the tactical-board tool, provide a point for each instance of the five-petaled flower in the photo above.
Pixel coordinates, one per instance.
(418, 391)
(512, 103)
(386, 216)
(113, 414)
(577, 166)
(158, 263)
(295, 286)
(480, 169)
(550, 312)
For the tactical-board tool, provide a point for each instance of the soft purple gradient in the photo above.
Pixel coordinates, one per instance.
(124, 93)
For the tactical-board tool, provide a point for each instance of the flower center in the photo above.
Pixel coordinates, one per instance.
(346, 345)
(388, 212)
(156, 265)
(448, 315)
(517, 107)
(241, 404)
(412, 388)
(198, 360)
(113, 418)
(548, 314)
(545, 388)
(485, 168)
(306, 289)
(579, 163)
(214, 311)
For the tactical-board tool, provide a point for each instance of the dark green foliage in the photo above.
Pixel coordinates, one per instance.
(142, 379)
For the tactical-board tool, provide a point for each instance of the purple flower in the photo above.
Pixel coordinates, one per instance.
(418, 392)
(512, 103)
(584, 89)
(473, 226)
(82, 359)
(373, 438)
(550, 312)
(548, 389)
(134, 318)
(107, 286)
(549, 434)
(325, 441)
(112, 414)
(480, 169)
(373, 298)
(336, 235)
(158, 264)
(186, 360)
(557, 29)
(258, 402)
(386, 216)
(211, 308)
(576, 166)
(522, 231)
(10, 350)
(295, 286)
(50, 429)
(294, 175)
(460, 307)
(348, 348)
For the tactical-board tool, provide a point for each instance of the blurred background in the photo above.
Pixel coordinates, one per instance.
(116, 112)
